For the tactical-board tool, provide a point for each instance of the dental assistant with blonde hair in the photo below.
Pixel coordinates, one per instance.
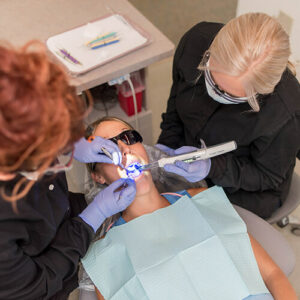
(44, 229)
(235, 82)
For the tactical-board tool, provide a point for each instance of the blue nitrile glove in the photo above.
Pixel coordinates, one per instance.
(90, 151)
(113, 199)
(192, 172)
(165, 149)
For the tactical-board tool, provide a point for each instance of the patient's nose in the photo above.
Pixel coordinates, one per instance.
(124, 148)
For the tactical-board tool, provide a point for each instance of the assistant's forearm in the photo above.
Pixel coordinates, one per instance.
(172, 134)
(237, 173)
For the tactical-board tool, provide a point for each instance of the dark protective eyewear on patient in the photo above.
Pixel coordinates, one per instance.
(129, 137)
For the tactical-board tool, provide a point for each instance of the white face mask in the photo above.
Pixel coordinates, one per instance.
(60, 167)
(220, 96)
(34, 175)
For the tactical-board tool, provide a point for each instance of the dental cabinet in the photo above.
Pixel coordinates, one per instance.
(21, 21)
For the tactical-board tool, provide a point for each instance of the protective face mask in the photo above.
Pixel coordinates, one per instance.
(31, 175)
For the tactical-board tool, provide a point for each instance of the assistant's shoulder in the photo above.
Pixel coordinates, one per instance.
(191, 48)
(47, 197)
(200, 35)
(206, 30)
(288, 91)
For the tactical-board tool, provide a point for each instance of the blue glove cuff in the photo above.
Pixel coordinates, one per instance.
(92, 216)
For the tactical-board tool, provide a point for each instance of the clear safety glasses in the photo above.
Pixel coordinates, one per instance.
(215, 87)
(55, 168)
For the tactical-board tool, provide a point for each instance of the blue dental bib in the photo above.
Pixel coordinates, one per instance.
(197, 248)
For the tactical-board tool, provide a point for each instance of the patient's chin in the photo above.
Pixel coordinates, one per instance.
(144, 183)
(142, 179)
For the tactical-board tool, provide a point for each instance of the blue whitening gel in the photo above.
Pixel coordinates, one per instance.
(134, 170)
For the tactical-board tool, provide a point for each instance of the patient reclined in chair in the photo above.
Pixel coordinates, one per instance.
(178, 252)
(89, 261)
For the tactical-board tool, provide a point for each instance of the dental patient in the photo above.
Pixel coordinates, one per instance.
(175, 245)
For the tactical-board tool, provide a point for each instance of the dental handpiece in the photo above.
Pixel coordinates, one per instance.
(106, 153)
(203, 153)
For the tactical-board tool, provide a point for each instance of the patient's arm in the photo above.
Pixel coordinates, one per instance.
(275, 280)
(99, 295)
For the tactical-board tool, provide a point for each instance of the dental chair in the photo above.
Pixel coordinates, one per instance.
(281, 216)
(270, 239)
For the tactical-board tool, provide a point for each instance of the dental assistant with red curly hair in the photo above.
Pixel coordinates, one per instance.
(44, 229)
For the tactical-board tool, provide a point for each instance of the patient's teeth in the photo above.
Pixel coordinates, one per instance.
(133, 170)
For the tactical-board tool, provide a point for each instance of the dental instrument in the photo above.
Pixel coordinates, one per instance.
(108, 154)
(135, 169)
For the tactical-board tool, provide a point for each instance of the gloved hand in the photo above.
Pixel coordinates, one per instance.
(192, 172)
(165, 149)
(113, 199)
(90, 151)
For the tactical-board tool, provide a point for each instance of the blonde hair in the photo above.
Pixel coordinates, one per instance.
(255, 46)
(93, 126)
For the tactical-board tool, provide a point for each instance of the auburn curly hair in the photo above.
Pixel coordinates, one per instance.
(40, 114)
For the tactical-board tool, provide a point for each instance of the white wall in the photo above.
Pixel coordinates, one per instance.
(288, 14)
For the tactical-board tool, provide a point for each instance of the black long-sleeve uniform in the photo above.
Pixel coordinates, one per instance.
(40, 244)
(257, 175)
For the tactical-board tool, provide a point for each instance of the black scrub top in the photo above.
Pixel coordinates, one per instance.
(40, 242)
(257, 175)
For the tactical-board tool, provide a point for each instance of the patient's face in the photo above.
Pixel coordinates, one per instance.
(108, 173)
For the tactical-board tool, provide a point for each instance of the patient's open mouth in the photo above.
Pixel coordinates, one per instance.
(134, 170)
(132, 167)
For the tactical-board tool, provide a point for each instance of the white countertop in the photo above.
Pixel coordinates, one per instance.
(21, 21)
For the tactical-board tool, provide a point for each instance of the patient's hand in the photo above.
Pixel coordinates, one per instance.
(99, 295)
